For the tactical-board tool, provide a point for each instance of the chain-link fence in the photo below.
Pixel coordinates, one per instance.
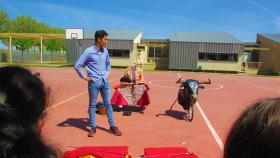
(30, 56)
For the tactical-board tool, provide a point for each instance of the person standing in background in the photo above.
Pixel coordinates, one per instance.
(97, 63)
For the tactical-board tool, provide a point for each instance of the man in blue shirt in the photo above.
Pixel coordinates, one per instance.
(97, 63)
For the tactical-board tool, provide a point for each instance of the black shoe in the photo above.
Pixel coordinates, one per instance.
(127, 113)
(117, 108)
(142, 109)
(92, 132)
(115, 130)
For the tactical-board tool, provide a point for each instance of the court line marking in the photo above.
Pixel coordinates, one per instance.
(211, 128)
(206, 120)
(255, 85)
(71, 98)
(66, 100)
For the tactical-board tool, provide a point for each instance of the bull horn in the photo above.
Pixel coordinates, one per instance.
(180, 78)
(205, 82)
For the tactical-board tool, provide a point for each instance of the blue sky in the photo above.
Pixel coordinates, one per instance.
(156, 18)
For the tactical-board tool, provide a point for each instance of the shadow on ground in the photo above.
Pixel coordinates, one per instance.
(81, 123)
(174, 114)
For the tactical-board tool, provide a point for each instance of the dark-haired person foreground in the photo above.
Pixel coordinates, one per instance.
(23, 100)
(256, 133)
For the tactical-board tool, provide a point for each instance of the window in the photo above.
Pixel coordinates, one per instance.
(218, 56)
(151, 51)
(211, 56)
(233, 57)
(223, 57)
(119, 53)
(201, 56)
(165, 51)
(158, 52)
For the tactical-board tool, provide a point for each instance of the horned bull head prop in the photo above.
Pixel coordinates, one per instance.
(188, 93)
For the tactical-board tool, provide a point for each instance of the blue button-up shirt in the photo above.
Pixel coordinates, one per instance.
(97, 63)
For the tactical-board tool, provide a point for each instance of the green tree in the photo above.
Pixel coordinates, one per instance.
(22, 45)
(53, 45)
(4, 21)
(23, 24)
(27, 24)
(4, 25)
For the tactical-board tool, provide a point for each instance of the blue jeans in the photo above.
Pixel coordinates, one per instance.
(93, 89)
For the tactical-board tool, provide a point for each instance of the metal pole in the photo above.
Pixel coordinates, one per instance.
(154, 54)
(173, 103)
(10, 50)
(41, 61)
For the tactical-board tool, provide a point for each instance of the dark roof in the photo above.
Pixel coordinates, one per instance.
(207, 37)
(114, 34)
(273, 37)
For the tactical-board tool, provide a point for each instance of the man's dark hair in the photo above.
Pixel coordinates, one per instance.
(23, 99)
(256, 133)
(100, 34)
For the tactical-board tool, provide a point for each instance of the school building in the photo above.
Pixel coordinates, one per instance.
(197, 51)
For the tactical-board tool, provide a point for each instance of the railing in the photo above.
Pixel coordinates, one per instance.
(33, 57)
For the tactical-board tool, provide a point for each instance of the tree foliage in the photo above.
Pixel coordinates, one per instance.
(27, 24)
(4, 21)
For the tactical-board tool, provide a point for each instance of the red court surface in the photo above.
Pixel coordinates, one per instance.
(66, 125)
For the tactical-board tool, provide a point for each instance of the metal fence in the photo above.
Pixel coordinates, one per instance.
(31, 56)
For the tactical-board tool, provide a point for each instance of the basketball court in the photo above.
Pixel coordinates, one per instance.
(219, 104)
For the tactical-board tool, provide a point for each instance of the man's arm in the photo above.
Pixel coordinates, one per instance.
(80, 63)
(108, 67)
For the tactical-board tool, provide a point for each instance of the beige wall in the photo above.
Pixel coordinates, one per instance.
(116, 61)
(276, 68)
(221, 65)
(265, 56)
(119, 61)
(270, 59)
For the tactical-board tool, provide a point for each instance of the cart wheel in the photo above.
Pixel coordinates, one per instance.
(190, 113)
